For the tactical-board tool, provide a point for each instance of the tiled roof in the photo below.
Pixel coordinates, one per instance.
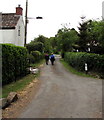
(9, 20)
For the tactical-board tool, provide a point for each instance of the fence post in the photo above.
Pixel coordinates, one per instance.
(86, 68)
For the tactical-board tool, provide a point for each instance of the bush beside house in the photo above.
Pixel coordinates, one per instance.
(14, 63)
(35, 57)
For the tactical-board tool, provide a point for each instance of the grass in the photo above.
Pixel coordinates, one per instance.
(74, 71)
(19, 84)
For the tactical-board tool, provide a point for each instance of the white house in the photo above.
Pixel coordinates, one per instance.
(12, 28)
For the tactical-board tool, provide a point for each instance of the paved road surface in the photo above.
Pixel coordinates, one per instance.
(64, 95)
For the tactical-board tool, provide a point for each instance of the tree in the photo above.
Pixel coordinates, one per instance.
(41, 38)
(66, 38)
(35, 46)
(83, 35)
(47, 46)
(101, 37)
(91, 34)
(96, 36)
(54, 45)
(41, 44)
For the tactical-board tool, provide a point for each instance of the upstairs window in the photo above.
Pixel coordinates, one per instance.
(19, 31)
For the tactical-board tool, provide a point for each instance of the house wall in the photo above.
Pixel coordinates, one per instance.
(1, 36)
(7, 36)
(12, 35)
(20, 36)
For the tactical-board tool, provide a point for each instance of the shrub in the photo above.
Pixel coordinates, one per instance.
(14, 63)
(77, 60)
(31, 58)
(35, 56)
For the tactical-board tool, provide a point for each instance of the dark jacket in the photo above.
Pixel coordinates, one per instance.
(47, 57)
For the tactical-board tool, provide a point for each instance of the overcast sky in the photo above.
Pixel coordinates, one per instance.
(54, 13)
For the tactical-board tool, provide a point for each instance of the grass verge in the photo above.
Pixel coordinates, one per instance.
(74, 71)
(19, 84)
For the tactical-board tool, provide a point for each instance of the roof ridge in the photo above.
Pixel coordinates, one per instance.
(8, 13)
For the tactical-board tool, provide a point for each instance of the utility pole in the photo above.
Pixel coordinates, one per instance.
(103, 10)
(26, 21)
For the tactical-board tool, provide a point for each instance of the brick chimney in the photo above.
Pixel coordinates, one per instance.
(19, 10)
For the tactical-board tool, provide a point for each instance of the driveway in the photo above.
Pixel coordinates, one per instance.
(65, 95)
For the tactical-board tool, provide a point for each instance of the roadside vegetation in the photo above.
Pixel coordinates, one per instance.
(21, 83)
(85, 46)
(74, 71)
(76, 48)
(17, 86)
(16, 64)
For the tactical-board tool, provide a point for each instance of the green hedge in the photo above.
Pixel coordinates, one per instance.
(14, 63)
(77, 60)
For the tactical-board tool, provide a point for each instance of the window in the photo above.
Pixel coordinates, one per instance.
(19, 31)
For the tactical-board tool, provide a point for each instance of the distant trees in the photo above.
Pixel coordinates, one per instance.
(40, 43)
(89, 38)
(37, 47)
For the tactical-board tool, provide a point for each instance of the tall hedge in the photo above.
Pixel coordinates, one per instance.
(14, 62)
(77, 60)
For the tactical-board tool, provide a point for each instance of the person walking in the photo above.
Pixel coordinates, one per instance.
(46, 58)
(52, 59)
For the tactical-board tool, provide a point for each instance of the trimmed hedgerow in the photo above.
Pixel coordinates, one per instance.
(77, 60)
(14, 63)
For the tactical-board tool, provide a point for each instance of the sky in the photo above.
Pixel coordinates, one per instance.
(55, 13)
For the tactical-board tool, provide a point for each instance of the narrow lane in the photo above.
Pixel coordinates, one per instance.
(65, 95)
